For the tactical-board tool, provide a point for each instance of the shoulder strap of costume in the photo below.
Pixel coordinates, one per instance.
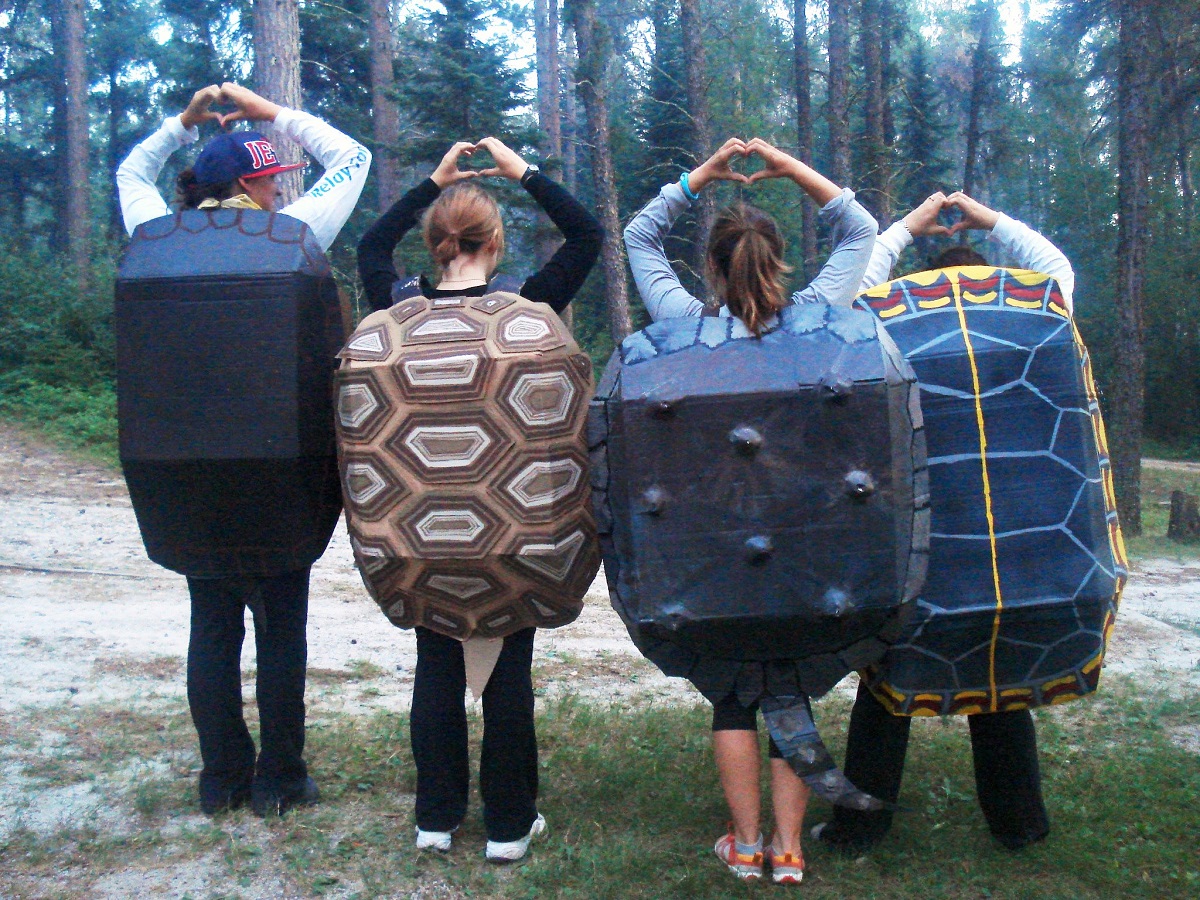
(509, 284)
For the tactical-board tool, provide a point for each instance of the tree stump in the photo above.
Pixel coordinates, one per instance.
(1184, 524)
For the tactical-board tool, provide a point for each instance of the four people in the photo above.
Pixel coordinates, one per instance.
(463, 230)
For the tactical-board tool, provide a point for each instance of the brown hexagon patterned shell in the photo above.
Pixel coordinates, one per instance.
(463, 458)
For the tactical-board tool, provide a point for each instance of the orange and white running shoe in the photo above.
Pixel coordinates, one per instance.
(747, 867)
(785, 868)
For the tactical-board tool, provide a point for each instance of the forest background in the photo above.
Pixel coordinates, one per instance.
(1078, 117)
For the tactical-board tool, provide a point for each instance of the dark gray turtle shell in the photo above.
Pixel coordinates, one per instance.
(755, 498)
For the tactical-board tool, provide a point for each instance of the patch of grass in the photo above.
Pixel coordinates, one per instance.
(158, 668)
(81, 418)
(632, 798)
(1153, 542)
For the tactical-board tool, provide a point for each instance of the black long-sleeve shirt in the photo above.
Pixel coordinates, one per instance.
(554, 284)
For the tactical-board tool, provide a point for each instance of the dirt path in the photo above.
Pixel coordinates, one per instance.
(85, 618)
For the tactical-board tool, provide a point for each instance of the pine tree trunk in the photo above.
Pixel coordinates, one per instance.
(384, 111)
(595, 47)
(981, 74)
(691, 23)
(277, 77)
(876, 177)
(1126, 412)
(837, 109)
(570, 123)
(804, 133)
(545, 33)
(79, 219)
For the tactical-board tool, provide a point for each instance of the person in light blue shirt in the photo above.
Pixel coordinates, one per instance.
(746, 269)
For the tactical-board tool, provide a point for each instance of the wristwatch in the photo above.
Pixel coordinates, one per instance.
(530, 171)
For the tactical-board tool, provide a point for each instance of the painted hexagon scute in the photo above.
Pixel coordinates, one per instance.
(442, 376)
(377, 560)
(361, 405)
(493, 303)
(368, 344)
(503, 620)
(443, 326)
(526, 329)
(446, 525)
(369, 487)
(543, 399)
(444, 621)
(541, 485)
(565, 560)
(548, 612)
(449, 448)
(402, 609)
(463, 586)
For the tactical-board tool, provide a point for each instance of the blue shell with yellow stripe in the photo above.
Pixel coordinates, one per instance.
(1026, 558)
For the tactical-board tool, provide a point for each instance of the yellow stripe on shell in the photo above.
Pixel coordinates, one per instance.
(987, 490)
(893, 311)
(1023, 304)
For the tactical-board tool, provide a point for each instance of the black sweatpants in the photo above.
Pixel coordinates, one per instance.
(508, 765)
(214, 680)
(1007, 779)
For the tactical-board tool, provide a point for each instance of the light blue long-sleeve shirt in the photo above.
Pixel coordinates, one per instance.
(838, 281)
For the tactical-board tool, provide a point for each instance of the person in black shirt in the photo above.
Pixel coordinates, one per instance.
(468, 272)
(465, 235)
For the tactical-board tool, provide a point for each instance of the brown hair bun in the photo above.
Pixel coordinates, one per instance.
(745, 262)
(464, 219)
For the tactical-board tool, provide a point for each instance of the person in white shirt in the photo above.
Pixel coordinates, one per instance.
(237, 169)
(1018, 241)
(1003, 744)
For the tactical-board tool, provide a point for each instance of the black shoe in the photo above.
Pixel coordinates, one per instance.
(219, 794)
(267, 797)
(1015, 842)
(830, 835)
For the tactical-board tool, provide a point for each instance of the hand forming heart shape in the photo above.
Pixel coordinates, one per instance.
(923, 221)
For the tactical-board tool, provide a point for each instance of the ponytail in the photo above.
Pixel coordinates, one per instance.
(745, 262)
(190, 193)
(464, 219)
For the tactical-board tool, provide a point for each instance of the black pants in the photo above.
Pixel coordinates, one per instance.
(508, 768)
(1007, 779)
(214, 679)
(730, 715)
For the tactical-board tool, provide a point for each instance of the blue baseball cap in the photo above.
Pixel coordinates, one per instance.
(238, 154)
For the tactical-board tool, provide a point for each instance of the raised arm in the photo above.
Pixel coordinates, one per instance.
(853, 227)
(661, 291)
(136, 176)
(1027, 248)
(327, 204)
(888, 246)
(557, 282)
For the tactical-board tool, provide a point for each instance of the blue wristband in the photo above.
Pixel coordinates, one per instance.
(687, 191)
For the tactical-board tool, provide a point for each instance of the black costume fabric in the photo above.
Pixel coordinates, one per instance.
(761, 507)
(1026, 559)
(227, 327)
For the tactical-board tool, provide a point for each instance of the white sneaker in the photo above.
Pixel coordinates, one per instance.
(511, 851)
(435, 840)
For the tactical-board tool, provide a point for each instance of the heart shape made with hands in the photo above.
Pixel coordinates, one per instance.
(722, 162)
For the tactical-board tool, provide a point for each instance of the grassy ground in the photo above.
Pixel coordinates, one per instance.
(1157, 485)
(633, 805)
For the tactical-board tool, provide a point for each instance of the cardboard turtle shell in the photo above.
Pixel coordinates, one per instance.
(460, 427)
(1026, 558)
(227, 326)
(761, 502)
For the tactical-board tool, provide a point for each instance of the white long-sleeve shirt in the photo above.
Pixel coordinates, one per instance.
(325, 207)
(1026, 247)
